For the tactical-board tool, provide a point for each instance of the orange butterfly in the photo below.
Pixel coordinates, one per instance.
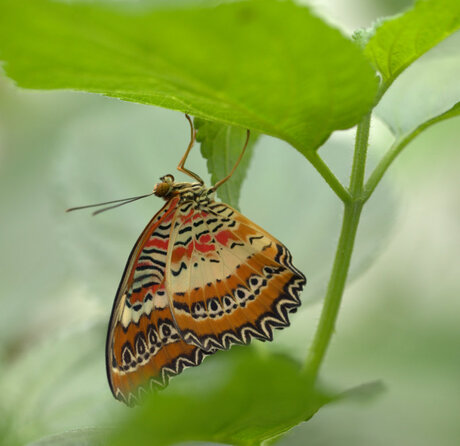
(200, 278)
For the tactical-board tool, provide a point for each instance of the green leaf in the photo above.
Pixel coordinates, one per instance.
(399, 41)
(401, 142)
(259, 398)
(270, 66)
(407, 138)
(427, 90)
(363, 393)
(451, 113)
(454, 111)
(221, 145)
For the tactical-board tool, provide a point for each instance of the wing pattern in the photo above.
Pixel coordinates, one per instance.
(144, 347)
(201, 278)
(229, 280)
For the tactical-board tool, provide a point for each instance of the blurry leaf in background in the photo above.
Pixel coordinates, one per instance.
(28, 124)
(221, 145)
(253, 398)
(352, 15)
(381, 8)
(76, 437)
(363, 393)
(265, 65)
(451, 113)
(257, 397)
(59, 384)
(429, 88)
(400, 40)
(112, 150)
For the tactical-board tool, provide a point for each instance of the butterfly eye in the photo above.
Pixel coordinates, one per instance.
(165, 186)
(161, 189)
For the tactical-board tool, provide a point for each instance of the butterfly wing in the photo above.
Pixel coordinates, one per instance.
(198, 280)
(229, 280)
(144, 346)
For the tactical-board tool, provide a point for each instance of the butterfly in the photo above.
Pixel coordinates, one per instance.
(200, 278)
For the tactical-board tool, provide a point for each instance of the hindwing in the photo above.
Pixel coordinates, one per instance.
(228, 279)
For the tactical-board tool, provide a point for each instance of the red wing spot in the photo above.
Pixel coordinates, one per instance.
(223, 236)
(168, 217)
(202, 247)
(198, 215)
(180, 252)
(158, 243)
(206, 238)
(187, 218)
(177, 254)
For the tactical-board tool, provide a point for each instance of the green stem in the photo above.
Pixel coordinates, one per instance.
(336, 286)
(330, 178)
(359, 158)
(394, 151)
(335, 289)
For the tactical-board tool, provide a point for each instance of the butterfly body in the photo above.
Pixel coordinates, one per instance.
(201, 278)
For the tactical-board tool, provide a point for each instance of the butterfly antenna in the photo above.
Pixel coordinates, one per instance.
(120, 203)
(180, 166)
(223, 180)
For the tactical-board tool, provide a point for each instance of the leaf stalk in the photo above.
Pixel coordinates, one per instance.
(329, 177)
(396, 148)
(338, 277)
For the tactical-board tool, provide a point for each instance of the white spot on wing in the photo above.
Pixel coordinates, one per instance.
(160, 300)
(126, 317)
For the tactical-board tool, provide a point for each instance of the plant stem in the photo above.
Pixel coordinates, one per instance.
(359, 158)
(335, 289)
(394, 151)
(330, 178)
(336, 286)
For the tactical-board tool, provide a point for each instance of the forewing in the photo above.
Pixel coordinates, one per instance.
(229, 280)
(144, 346)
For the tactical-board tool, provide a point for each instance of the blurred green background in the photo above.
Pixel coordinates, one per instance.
(399, 320)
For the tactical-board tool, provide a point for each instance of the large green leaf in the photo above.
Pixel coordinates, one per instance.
(270, 66)
(399, 41)
(257, 397)
(221, 145)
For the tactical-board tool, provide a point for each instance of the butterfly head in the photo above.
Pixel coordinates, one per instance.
(167, 188)
(164, 187)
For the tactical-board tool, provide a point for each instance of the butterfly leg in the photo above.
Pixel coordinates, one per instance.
(180, 166)
(223, 180)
